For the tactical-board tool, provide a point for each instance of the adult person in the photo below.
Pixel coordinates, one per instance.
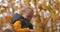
(21, 22)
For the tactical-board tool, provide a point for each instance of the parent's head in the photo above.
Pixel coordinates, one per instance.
(27, 13)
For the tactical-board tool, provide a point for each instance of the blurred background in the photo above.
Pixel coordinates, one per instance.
(46, 13)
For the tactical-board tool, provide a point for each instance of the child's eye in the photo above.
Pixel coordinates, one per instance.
(27, 16)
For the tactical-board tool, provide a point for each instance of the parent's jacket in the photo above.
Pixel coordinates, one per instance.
(20, 24)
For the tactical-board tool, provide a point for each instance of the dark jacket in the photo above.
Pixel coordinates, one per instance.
(24, 22)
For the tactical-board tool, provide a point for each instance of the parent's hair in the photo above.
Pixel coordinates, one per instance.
(24, 9)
